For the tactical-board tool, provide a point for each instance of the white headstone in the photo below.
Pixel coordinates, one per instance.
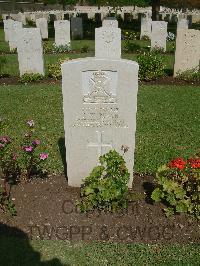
(77, 28)
(7, 28)
(159, 35)
(30, 52)
(145, 27)
(14, 35)
(62, 32)
(187, 56)
(110, 23)
(182, 24)
(108, 42)
(101, 98)
(42, 24)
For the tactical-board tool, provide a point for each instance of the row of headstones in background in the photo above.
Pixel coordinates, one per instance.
(102, 92)
(156, 31)
(170, 16)
(76, 27)
(29, 44)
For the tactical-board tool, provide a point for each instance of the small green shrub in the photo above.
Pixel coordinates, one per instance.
(85, 49)
(30, 22)
(47, 47)
(27, 78)
(61, 49)
(130, 35)
(19, 162)
(55, 69)
(192, 75)
(145, 38)
(130, 47)
(151, 66)
(158, 50)
(106, 187)
(178, 187)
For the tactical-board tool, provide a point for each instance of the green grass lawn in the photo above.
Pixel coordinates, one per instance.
(16, 252)
(167, 121)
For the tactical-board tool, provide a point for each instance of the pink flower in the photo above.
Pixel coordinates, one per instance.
(1, 146)
(14, 157)
(43, 156)
(36, 142)
(30, 123)
(28, 148)
(5, 139)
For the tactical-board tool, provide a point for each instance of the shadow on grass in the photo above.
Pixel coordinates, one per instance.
(62, 149)
(15, 249)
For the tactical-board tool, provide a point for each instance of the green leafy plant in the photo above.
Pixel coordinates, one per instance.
(151, 66)
(54, 70)
(130, 35)
(158, 50)
(106, 187)
(47, 47)
(192, 75)
(30, 22)
(19, 162)
(61, 48)
(85, 49)
(26, 78)
(145, 38)
(178, 186)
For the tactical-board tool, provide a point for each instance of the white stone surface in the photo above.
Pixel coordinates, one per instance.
(108, 43)
(159, 35)
(110, 23)
(7, 28)
(187, 54)
(145, 27)
(14, 36)
(182, 24)
(62, 32)
(30, 52)
(42, 24)
(77, 28)
(100, 103)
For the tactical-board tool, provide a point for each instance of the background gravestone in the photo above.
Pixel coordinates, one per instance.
(14, 34)
(145, 27)
(110, 23)
(7, 28)
(42, 24)
(159, 35)
(108, 42)
(102, 107)
(182, 24)
(187, 56)
(77, 28)
(62, 32)
(30, 52)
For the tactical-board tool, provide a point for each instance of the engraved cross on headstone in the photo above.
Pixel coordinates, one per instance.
(100, 145)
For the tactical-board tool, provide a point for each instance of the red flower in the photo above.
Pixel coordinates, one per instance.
(195, 163)
(178, 163)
